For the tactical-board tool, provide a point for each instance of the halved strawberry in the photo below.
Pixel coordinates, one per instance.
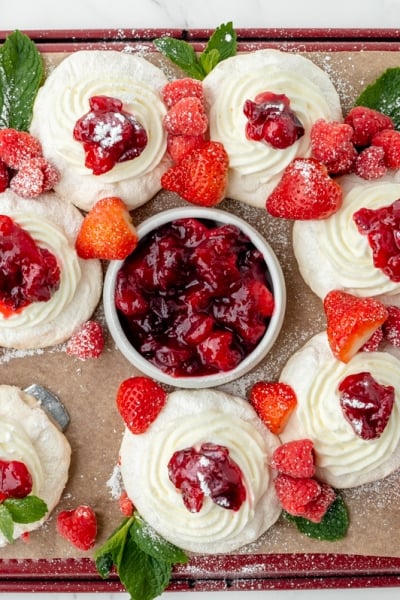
(351, 321)
(107, 231)
(139, 402)
(305, 191)
(201, 176)
(274, 402)
(78, 526)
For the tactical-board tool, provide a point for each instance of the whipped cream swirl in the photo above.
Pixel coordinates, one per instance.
(343, 458)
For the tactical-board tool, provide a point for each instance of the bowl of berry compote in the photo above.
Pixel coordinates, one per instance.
(199, 302)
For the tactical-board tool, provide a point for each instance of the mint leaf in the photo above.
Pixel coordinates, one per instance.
(148, 540)
(383, 95)
(182, 54)
(21, 74)
(333, 526)
(6, 524)
(221, 45)
(142, 558)
(26, 510)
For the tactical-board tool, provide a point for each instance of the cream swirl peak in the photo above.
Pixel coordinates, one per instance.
(333, 254)
(189, 419)
(64, 99)
(256, 167)
(344, 459)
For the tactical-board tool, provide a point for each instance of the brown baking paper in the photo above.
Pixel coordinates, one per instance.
(88, 388)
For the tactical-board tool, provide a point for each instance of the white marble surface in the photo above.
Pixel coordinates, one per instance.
(128, 14)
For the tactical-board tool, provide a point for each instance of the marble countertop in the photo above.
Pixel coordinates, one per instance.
(30, 15)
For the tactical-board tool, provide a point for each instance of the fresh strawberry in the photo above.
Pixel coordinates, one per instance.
(305, 191)
(391, 327)
(370, 163)
(139, 402)
(78, 526)
(87, 342)
(351, 321)
(34, 177)
(304, 496)
(274, 402)
(107, 231)
(186, 117)
(366, 122)
(332, 145)
(201, 176)
(295, 458)
(178, 146)
(177, 89)
(389, 140)
(4, 176)
(17, 147)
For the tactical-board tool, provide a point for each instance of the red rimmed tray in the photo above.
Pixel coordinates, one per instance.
(240, 571)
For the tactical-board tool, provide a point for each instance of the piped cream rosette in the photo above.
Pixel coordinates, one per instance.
(333, 254)
(28, 435)
(53, 225)
(190, 418)
(343, 459)
(256, 167)
(64, 98)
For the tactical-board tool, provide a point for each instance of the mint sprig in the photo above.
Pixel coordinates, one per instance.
(21, 74)
(142, 558)
(20, 510)
(221, 45)
(383, 95)
(333, 526)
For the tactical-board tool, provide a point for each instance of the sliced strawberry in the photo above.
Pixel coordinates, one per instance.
(274, 402)
(107, 231)
(179, 146)
(186, 117)
(78, 526)
(201, 176)
(389, 140)
(331, 144)
(177, 89)
(295, 458)
(87, 342)
(139, 402)
(16, 147)
(366, 122)
(391, 327)
(351, 321)
(305, 191)
(370, 163)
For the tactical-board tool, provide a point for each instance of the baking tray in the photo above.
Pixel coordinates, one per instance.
(251, 570)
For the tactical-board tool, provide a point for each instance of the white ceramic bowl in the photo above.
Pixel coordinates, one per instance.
(250, 361)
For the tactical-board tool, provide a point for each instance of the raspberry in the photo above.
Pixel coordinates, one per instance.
(316, 509)
(186, 117)
(295, 458)
(17, 147)
(177, 89)
(389, 140)
(391, 327)
(331, 143)
(370, 163)
(126, 505)
(78, 526)
(4, 176)
(295, 493)
(179, 146)
(366, 122)
(87, 341)
(35, 176)
(372, 345)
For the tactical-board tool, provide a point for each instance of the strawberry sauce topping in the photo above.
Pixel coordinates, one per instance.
(366, 404)
(209, 471)
(109, 134)
(15, 480)
(194, 298)
(271, 120)
(28, 273)
(382, 227)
